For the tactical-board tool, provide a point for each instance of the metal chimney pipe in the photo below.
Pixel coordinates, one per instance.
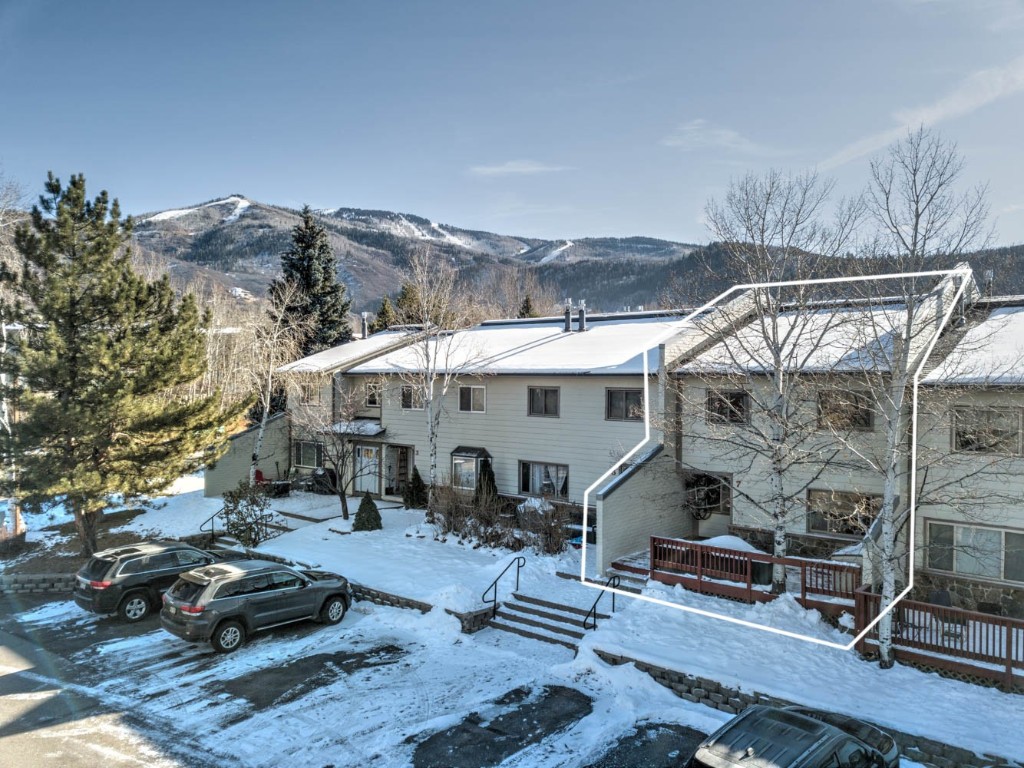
(366, 326)
(568, 320)
(583, 316)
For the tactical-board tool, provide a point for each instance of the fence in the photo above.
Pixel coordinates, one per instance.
(825, 585)
(966, 642)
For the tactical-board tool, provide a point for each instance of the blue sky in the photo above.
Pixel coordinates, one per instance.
(542, 118)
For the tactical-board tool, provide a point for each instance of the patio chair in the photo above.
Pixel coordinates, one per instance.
(909, 624)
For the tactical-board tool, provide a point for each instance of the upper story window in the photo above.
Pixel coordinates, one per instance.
(412, 399)
(728, 407)
(372, 395)
(542, 401)
(988, 553)
(987, 430)
(840, 513)
(624, 404)
(844, 411)
(472, 399)
(309, 392)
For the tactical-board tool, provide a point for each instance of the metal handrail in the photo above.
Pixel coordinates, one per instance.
(519, 562)
(591, 616)
(212, 522)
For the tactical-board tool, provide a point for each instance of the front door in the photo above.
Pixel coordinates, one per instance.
(367, 469)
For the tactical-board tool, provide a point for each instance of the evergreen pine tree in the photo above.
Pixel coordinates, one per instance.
(98, 361)
(407, 305)
(310, 265)
(415, 495)
(526, 308)
(367, 516)
(386, 317)
(486, 486)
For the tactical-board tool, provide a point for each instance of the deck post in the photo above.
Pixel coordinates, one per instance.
(1008, 676)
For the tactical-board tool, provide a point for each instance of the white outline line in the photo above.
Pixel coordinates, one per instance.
(966, 273)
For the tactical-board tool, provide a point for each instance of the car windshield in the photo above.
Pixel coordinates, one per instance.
(185, 591)
(96, 568)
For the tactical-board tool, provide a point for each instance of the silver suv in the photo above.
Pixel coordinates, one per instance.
(224, 604)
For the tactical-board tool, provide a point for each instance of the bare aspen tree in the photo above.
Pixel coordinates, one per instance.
(920, 221)
(775, 227)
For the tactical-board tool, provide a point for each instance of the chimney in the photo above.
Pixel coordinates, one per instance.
(366, 326)
(990, 278)
(583, 316)
(568, 317)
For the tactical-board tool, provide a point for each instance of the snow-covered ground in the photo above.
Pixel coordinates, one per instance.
(431, 691)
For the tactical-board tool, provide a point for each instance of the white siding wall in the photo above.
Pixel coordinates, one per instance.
(579, 437)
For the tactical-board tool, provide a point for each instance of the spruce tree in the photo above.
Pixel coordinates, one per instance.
(386, 317)
(97, 364)
(407, 305)
(526, 308)
(367, 516)
(320, 303)
(415, 494)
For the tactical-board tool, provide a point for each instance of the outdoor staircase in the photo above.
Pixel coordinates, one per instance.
(542, 620)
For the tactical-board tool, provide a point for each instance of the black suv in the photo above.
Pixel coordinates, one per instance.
(225, 603)
(129, 579)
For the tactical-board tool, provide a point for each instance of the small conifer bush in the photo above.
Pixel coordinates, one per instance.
(367, 516)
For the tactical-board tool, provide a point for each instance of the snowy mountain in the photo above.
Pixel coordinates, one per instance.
(237, 242)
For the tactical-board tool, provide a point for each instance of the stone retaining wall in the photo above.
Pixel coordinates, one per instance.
(36, 582)
(717, 696)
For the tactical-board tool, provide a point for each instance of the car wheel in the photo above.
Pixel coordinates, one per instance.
(229, 637)
(134, 607)
(333, 610)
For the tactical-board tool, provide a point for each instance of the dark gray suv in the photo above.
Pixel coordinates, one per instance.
(225, 603)
(129, 579)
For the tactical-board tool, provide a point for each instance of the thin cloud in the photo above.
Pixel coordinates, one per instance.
(516, 168)
(1013, 208)
(701, 134)
(971, 94)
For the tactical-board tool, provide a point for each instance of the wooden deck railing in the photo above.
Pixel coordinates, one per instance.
(939, 635)
(747, 575)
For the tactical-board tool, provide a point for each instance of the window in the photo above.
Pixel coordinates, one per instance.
(188, 557)
(844, 411)
(988, 553)
(309, 392)
(839, 513)
(472, 399)
(464, 470)
(412, 399)
(372, 399)
(307, 453)
(543, 401)
(536, 479)
(987, 430)
(282, 580)
(624, 404)
(707, 495)
(728, 407)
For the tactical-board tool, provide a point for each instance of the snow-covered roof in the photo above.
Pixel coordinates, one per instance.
(990, 353)
(612, 344)
(345, 355)
(364, 427)
(844, 339)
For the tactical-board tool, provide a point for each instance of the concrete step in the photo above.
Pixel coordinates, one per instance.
(572, 620)
(533, 635)
(304, 518)
(509, 614)
(552, 605)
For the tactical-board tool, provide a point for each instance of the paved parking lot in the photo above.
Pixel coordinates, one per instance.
(387, 687)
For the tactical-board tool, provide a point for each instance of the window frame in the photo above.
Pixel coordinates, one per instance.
(462, 459)
(310, 392)
(414, 399)
(812, 512)
(528, 465)
(721, 417)
(372, 395)
(472, 391)
(544, 415)
(955, 549)
(318, 453)
(960, 412)
(693, 490)
(861, 406)
(610, 392)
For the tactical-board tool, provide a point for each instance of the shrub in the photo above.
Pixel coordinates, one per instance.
(415, 494)
(245, 514)
(367, 516)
